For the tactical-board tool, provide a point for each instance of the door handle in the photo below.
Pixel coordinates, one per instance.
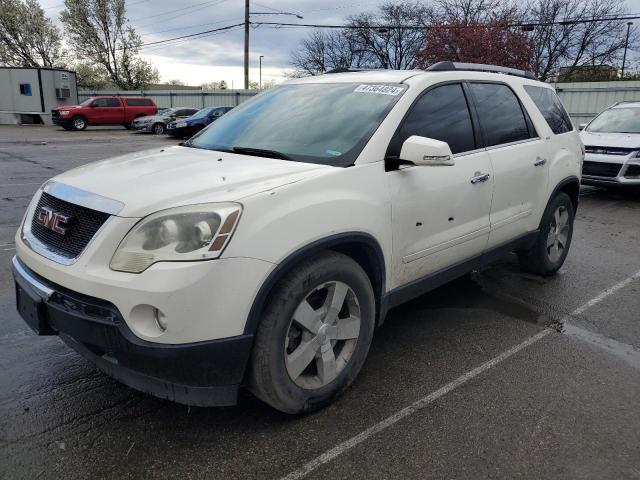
(479, 177)
(539, 162)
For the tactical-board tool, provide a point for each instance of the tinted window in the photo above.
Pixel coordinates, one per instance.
(106, 102)
(139, 102)
(500, 113)
(551, 108)
(442, 114)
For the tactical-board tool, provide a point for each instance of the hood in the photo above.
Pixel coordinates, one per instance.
(162, 178)
(619, 140)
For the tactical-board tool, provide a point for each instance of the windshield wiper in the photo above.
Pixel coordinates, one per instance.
(260, 152)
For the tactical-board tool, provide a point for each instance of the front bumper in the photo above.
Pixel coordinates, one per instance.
(622, 172)
(62, 121)
(178, 132)
(202, 373)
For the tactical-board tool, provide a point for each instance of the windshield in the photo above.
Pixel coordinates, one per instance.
(87, 102)
(617, 120)
(315, 123)
(202, 113)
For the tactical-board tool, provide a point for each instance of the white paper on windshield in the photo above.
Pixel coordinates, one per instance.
(379, 89)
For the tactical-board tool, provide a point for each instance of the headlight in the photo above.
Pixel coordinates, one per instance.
(181, 124)
(195, 232)
(63, 112)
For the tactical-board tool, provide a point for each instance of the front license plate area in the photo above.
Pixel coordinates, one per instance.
(32, 310)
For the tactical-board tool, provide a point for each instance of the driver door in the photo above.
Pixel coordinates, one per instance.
(440, 214)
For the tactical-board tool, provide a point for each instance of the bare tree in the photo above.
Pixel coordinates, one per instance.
(475, 11)
(27, 37)
(368, 42)
(98, 32)
(575, 45)
(397, 46)
(324, 51)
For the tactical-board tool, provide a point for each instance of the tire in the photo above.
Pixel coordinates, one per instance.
(552, 245)
(307, 289)
(79, 122)
(157, 128)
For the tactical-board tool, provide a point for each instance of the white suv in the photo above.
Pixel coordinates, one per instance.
(266, 250)
(612, 143)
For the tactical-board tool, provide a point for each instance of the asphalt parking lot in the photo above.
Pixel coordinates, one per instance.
(497, 375)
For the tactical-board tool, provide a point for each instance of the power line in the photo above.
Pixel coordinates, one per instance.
(188, 26)
(420, 27)
(154, 48)
(186, 10)
(228, 27)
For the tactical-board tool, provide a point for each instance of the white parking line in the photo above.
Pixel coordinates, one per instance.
(606, 293)
(343, 447)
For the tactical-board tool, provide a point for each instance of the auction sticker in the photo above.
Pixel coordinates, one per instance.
(380, 89)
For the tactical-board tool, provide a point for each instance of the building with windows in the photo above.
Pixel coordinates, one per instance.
(27, 95)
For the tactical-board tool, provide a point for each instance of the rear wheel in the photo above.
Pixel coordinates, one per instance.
(552, 244)
(158, 128)
(79, 123)
(314, 336)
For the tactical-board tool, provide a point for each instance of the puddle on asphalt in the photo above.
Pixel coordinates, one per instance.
(467, 293)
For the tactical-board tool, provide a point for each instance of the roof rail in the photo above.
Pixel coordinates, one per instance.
(479, 67)
(348, 69)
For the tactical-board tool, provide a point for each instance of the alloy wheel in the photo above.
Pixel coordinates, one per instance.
(79, 123)
(558, 234)
(322, 335)
(158, 129)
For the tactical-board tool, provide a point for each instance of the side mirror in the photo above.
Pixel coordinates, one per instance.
(582, 126)
(426, 152)
(94, 105)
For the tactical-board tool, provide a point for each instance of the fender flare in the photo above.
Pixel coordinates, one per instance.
(326, 243)
(562, 184)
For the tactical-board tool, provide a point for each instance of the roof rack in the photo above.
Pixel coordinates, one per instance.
(348, 69)
(479, 67)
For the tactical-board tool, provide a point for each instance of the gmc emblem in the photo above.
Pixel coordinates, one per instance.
(55, 221)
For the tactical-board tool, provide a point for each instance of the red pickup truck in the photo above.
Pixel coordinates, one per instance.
(103, 111)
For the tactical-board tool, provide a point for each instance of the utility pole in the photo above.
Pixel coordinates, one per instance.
(261, 57)
(626, 44)
(246, 44)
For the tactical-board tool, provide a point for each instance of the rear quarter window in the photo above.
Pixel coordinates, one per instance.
(139, 102)
(551, 108)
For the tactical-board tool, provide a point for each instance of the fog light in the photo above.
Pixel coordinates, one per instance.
(161, 319)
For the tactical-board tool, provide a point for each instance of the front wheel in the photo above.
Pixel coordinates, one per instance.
(554, 239)
(158, 129)
(79, 123)
(314, 335)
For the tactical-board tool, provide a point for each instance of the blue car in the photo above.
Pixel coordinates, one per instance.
(188, 127)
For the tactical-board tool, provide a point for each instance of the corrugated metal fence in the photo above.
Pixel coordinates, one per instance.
(182, 98)
(583, 100)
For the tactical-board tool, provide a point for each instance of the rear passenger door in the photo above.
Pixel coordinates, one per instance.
(518, 158)
(440, 218)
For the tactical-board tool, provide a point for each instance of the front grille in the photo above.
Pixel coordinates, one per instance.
(633, 171)
(55, 114)
(83, 225)
(601, 169)
(609, 150)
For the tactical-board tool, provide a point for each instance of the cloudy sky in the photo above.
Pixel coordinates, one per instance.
(219, 56)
